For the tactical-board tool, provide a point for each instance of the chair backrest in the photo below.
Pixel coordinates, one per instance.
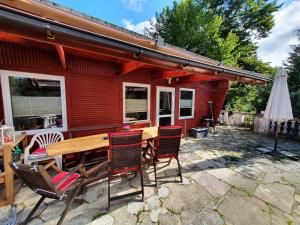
(124, 152)
(37, 179)
(168, 140)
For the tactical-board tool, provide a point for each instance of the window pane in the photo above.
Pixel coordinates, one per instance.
(136, 103)
(165, 121)
(186, 95)
(36, 103)
(185, 112)
(165, 103)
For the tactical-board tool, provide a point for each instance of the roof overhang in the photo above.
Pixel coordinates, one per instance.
(26, 25)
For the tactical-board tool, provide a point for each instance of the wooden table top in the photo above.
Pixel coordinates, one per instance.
(91, 142)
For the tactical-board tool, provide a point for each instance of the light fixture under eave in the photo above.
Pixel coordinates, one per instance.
(169, 80)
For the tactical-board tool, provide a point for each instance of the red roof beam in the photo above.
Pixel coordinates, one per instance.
(130, 66)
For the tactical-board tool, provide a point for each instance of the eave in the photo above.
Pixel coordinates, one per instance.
(25, 25)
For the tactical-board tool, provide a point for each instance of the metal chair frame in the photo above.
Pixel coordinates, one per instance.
(157, 150)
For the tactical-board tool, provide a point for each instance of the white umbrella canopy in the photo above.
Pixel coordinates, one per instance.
(279, 107)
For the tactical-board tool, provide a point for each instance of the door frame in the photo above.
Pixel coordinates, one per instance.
(168, 89)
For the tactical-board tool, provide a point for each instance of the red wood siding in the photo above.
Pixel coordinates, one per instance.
(94, 92)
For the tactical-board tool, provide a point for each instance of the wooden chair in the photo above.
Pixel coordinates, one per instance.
(124, 156)
(39, 154)
(64, 186)
(167, 145)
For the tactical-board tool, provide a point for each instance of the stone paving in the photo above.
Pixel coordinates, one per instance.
(226, 181)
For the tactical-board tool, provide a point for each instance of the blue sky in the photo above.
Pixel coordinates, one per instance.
(136, 15)
(115, 11)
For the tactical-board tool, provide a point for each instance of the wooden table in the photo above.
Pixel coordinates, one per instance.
(82, 144)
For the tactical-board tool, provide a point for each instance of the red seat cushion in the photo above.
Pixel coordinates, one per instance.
(39, 151)
(57, 178)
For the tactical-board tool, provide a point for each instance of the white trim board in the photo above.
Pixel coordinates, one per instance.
(193, 104)
(172, 115)
(148, 86)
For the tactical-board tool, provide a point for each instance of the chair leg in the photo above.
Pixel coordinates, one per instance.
(69, 205)
(179, 169)
(142, 184)
(33, 211)
(154, 165)
(108, 193)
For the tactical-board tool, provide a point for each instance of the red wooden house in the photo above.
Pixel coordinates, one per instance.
(61, 69)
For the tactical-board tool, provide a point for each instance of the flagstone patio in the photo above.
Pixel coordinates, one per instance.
(226, 181)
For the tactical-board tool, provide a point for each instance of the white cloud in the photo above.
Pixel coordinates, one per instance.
(139, 27)
(135, 5)
(275, 48)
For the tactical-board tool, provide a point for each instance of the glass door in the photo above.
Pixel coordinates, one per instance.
(165, 106)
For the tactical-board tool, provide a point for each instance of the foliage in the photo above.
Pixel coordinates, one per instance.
(194, 27)
(293, 67)
(224, 30)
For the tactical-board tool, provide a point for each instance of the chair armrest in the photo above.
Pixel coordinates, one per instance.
(53, 165)
(77, 168)
(96, 169)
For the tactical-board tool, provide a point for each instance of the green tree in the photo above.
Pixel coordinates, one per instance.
(250, 98)
(194, 27)
(248, 19)
(293, 67)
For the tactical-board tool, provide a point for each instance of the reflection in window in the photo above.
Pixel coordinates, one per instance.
(186, 103)
(36, 103)
(136, 103)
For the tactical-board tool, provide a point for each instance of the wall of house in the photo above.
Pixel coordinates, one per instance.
(94, 92)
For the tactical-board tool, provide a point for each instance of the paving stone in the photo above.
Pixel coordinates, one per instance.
(240, 210)
(248, 171)
(95, 191)
(279, 195)
(270, 178)
(185, 181)
(233, 178)
(183, 197)
(214, 186)
(135, 207)
(163, 192)
(122, 217)
(169, 219)
(211, 217)
(204, 164)
(104, 220)
(155, 214)
(190, 217)
(36, 221)
(152, 203)
(297, 198)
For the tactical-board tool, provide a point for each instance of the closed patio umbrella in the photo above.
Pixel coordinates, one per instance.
(279, 108)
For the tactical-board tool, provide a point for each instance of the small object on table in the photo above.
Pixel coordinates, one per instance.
(126, 128)
(105, 138)
(7, 134)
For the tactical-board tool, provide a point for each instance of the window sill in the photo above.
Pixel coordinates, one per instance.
(33, 132)
(187, 117)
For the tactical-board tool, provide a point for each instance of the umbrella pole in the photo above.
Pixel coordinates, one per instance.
(276, 137)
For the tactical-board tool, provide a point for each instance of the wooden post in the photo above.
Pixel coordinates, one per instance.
(9, 175)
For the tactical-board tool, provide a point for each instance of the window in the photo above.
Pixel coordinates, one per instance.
(136, 104)
(34, 102)
(186, 103)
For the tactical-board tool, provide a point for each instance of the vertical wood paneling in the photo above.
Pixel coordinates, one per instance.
(93, 91)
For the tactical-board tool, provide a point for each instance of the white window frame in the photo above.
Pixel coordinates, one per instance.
(148, 86)
(5, 74)
(193, 103)
(172, 115)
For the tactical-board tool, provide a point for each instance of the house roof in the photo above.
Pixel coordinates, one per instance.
(49, 16)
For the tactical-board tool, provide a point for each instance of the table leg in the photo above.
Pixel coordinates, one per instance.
(9, 175)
